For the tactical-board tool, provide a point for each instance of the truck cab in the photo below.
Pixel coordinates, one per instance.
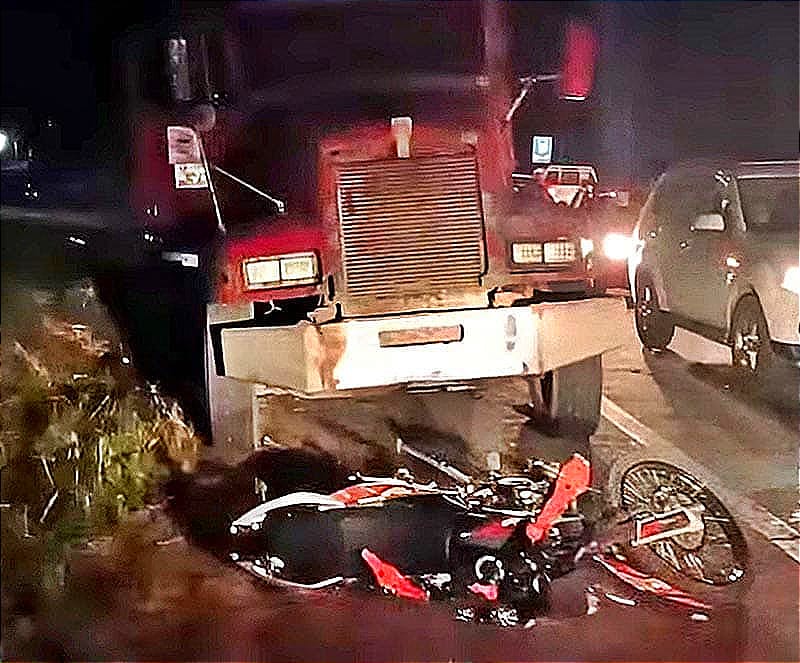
(402, 258)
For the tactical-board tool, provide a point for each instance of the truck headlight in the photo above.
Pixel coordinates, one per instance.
(280, 271)
(3, 141)
(587, 247)
(791, 280)
(617, 246)
(526, 252)
(559, 252)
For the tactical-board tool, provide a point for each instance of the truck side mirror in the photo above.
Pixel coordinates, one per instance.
(578, 64)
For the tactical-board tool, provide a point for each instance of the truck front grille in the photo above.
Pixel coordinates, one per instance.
(410, 226)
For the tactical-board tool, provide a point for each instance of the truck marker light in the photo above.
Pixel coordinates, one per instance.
(401, 132)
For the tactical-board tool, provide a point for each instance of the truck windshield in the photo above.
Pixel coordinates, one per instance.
(771, 203)
(330, 49)
(307, 69)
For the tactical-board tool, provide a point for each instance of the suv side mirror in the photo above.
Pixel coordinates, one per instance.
(712, 221)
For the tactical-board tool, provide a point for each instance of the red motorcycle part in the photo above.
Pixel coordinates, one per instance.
(390, 579)
(573, 479)
(650, 584)
(673, 523)
(489, 592)
(494, 532)
(352, 495)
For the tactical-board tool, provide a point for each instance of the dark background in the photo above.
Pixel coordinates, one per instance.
(675, 80)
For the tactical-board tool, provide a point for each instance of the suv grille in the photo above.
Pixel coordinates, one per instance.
(410, 226)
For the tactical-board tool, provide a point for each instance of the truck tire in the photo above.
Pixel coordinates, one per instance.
(566, 400)
(654, 327)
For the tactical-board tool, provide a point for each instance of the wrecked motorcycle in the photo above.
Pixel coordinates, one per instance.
(496, 542)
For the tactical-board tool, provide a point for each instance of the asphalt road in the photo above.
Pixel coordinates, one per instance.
(673, 408)
(682, 406)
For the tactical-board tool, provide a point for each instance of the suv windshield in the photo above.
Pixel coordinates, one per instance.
(770, 202)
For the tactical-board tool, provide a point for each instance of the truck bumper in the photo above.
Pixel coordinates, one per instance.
(437, 347)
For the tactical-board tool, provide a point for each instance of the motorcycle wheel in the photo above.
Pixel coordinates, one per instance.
(717, 558)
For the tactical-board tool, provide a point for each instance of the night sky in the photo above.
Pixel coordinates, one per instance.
(674, 80)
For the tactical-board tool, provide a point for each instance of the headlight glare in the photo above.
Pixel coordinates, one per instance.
(617, 246)
(791, 280)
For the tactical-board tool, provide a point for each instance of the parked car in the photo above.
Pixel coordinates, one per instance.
(717, 253)
(564, 182)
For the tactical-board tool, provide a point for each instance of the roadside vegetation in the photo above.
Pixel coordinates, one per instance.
(84, 443)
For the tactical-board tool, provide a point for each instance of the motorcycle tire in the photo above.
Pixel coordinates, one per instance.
(716, 564)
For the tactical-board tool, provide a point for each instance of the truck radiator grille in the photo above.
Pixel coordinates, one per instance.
(410, 226)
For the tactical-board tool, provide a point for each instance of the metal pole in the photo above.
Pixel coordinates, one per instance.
(279, 204)
(211, 190)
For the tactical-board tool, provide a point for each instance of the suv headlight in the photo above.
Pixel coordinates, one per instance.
(791, 280)
(617, 246)
(280, 271)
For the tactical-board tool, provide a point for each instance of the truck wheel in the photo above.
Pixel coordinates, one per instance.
(751, 351)
(653, 326)
(566, 401)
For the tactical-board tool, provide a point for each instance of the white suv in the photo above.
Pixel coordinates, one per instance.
(716, 252)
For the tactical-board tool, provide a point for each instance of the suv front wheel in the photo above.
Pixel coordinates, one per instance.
(751, 350)
(654, 326)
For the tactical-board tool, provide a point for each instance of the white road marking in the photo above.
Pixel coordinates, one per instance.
(773, 529)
